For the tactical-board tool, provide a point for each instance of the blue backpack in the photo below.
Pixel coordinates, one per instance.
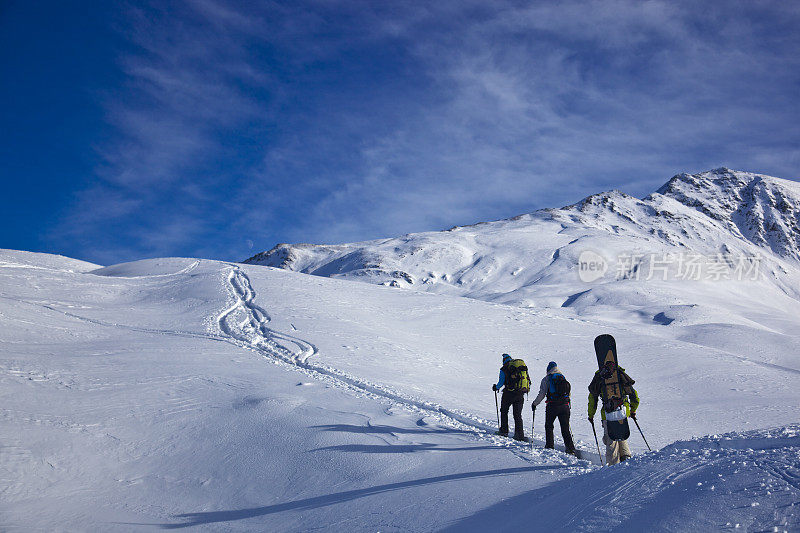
(558, 389)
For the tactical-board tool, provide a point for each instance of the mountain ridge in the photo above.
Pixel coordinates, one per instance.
(726, 216)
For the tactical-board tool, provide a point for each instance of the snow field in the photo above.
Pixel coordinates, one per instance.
(111, 422)
(447, 350)
(734, 482)
(179, 393)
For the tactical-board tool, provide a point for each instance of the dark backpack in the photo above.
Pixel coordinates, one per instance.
(614, 386)
(558, 389)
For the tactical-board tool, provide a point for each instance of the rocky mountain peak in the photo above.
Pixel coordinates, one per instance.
(761, 209)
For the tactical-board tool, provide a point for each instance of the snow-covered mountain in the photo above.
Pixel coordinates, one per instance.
(715, 249)
(532, 260)
(171, 393)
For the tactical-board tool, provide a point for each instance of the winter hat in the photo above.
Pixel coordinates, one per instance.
(506, 357)
(551, 366)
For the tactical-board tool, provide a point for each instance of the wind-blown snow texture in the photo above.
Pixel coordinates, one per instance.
(172, 393)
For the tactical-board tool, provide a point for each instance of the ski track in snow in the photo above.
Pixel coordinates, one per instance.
(245, 323)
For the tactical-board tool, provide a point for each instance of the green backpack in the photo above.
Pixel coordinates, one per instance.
(517, 379)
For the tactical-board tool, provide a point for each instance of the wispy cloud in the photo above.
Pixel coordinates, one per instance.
(546, 104)
(334, 121)
(188, 87)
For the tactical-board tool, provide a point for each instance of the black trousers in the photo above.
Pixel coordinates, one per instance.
(562, 413)
(516, 399)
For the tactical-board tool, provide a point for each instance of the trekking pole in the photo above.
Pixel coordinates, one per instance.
(591, 421)
(642, 434)
(498, 410)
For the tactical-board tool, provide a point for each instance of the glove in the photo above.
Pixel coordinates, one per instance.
(591, 419)
(533, 407)
(494, 388)
(633, 415)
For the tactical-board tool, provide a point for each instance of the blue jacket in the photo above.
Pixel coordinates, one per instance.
(502, 380)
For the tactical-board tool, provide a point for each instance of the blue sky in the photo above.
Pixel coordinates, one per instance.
(218, 129)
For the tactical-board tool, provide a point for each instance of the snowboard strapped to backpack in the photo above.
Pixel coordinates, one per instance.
(613, 388)
(517, 379)
(558, 389)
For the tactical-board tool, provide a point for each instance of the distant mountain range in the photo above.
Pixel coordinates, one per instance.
(720, 232)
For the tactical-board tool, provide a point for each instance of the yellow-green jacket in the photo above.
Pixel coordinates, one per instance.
(631, 397)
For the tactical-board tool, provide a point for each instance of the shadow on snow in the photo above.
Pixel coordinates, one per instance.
(212, 517)
(381, 429)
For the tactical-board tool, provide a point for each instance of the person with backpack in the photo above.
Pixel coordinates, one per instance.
(556, 389)
(515, 384)
(616, 450)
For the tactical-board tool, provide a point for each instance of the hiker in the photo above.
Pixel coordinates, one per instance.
(616, 450)
(515, 383)
(555, 388)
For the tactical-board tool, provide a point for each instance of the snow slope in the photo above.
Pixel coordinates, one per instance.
(733, 482)
(178, 393)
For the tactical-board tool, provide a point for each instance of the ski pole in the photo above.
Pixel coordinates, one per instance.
(640, 432)
(591, 421)
(498, 410)
(533, 417)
